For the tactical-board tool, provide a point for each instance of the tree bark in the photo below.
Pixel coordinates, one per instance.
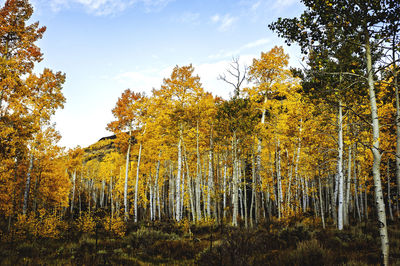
(380, 205)
(340, 166)
(158, 189)
(279, 181)
(347, 200)
(137, 182)
(178, 179)
(28, 186)
(73, 191)
(235, 182)
(210, 182)
(388, 190)
(321, 202)
(396, 87)
(198, 177)
(126, 207)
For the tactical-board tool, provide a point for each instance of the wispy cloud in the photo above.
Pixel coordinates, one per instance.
(247, 46)
(109, 7)
(143, 80)
(279, 4)
(224, 22)
(189, 17)
(256, 43)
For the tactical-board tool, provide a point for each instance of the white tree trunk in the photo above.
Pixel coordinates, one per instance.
(348, 188)
(178, 179)
(73, 191)
(210, 183)
(137, 182)
(380, 205)
(198, 177)
(158, 189)
(27, 186)
(151, 198)
(340, 167)
(321, 202)
(126, 207)
(279, 181)
(103, 187)
(224, 188)
(111, 197)
(397, 124)
(235, 182)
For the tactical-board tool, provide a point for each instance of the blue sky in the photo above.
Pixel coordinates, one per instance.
(107, 46)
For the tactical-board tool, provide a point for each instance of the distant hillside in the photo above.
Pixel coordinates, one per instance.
(99, 149)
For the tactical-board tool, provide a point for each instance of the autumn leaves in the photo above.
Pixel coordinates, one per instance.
(32, 173)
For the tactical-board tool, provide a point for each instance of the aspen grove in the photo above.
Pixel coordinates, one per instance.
(321, 142)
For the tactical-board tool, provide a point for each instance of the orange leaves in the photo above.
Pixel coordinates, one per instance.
(125, 111)
(27, 102)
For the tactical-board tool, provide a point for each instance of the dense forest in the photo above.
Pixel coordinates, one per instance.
(295, 160)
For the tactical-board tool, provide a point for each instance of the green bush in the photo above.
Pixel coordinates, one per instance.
(173, 249)
(144, 237)
(308, 252)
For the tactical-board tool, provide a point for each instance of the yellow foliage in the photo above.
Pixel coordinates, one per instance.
(44, 226)
(86, 223)
(184, 224)
(115, 225)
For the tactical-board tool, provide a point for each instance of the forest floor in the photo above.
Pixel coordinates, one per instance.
(297, 241)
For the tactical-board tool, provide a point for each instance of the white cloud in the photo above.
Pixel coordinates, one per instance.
(255, 5)
(224, 22)
(279, 4)
(189, 17)
(215, 18)
(108, 7)
(247, 46)
(256, 43)
(143, 80)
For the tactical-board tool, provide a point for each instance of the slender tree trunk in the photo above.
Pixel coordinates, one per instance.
(73, 192)
(279, 181)
(396, 87)
(151, 187)
(190, 188)
(210, 183)
(183, 181)
(158, 189)
(35, 193)
(126, 207)
(340, 166)
(245, 202)
(111, 197)
(380, 205)
(198, 177)
(171, 187)
(321, 202)
(253, 184)
(258, 159)
(137, 182)
(103, 187)
(235, 182)
(224, 187)
(28, 186)
(333, 197)
(360, 188)
(356, 200)
(388, 190)
(178, 179)
(347, 201)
